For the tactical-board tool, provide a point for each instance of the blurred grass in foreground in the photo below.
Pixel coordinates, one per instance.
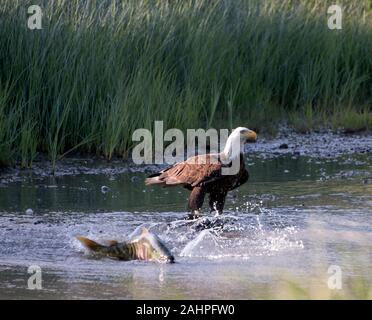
(352, 266)
(358, 288)
(100, 69)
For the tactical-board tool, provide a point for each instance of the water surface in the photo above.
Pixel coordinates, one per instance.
(294, 218)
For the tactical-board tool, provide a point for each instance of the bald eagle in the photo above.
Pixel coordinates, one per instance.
(203, 174)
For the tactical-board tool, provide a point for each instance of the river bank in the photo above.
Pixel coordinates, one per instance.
(324, 145)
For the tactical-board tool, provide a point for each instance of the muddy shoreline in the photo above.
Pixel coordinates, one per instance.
(315, 145)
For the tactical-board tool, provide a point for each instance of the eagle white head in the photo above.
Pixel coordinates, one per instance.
(236, 141)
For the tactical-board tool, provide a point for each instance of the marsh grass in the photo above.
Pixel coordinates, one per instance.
(100, 69)
(350, 120)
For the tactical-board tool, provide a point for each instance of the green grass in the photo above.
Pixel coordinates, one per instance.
(100, 69)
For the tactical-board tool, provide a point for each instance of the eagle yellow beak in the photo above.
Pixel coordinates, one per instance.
(251, 136)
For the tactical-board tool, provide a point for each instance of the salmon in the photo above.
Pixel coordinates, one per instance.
(147, 246)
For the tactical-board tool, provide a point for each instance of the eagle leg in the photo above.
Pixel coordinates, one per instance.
(217, 202)
(195, 204)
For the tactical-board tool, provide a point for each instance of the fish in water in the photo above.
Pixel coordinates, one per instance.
(147, 246)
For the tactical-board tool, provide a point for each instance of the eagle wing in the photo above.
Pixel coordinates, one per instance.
(195, 171)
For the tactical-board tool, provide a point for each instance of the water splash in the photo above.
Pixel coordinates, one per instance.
(206, 241)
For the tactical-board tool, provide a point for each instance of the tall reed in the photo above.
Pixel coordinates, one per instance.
(99, 69)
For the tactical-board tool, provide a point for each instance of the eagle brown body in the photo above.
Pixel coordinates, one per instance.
(201, 179)
(203, 175)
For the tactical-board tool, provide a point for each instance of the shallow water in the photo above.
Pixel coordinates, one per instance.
(294, 218)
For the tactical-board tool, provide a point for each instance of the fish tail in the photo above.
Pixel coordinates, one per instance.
(90, 244)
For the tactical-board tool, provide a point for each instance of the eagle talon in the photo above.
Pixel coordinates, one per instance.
(218, 213)
(193, 215)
